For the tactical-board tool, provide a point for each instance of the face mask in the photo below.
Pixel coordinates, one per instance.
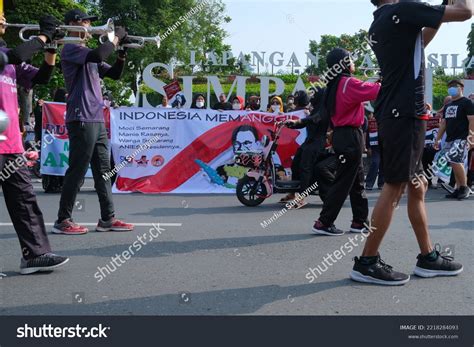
(453, 91)
(236, 106)
(200, 104)
(276, 108)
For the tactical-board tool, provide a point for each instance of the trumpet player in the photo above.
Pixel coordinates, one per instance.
(83, 68)
(15, 180)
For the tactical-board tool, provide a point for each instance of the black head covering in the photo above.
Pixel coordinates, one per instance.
(317, 97)
(193, 105)
(301, 99)
(337, 57)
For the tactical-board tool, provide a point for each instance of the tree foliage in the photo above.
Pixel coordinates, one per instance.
(353, 43)
(470, 47)
(201, 31)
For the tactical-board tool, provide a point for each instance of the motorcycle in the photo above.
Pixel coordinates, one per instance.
(261, 180)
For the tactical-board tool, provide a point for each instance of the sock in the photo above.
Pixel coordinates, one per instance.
(432, 256)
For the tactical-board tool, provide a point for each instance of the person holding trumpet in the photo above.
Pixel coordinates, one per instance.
(83, 68)
(15, 180)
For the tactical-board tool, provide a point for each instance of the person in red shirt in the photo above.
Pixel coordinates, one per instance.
(343, 105)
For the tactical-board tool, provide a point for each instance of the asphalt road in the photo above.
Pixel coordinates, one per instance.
(212, 257)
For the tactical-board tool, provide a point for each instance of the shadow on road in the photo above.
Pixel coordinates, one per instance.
(165, 248)
(218, 302)
(463, 225)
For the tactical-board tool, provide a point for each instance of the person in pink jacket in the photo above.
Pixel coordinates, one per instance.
(343, 106)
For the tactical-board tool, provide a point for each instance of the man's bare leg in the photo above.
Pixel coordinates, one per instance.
(382, 216)
(417, 214)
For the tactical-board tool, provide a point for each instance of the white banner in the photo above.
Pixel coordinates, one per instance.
(190, 151)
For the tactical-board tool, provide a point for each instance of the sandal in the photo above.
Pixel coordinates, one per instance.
(287, 198)
(300, 204)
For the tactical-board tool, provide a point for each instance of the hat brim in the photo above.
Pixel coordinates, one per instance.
(91, 18)
(455, 82)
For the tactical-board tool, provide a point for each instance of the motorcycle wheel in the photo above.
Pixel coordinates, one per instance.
(247, 194)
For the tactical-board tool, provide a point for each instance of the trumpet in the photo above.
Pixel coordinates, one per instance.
(107, 30)
(140, 41)
(136, 41)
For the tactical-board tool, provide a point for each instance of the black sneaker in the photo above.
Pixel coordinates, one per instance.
(442, 265)
(358, 228)
(453, 195)
(321, 229)
(463, 193)
(45, 262)
(377, 272)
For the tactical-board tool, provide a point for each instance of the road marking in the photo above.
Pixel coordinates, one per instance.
(94, 224)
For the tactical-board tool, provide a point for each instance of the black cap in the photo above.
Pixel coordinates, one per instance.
(77, 15)
(458, 82)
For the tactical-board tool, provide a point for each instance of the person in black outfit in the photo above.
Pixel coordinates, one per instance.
(223, 104)
(458, 122)
(317, 163)
(399, 33)
(304, 159)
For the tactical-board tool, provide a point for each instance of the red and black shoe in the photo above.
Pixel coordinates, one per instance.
(68, 227)
(113, 224)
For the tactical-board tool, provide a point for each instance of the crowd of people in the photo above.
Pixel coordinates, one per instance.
(337, 119)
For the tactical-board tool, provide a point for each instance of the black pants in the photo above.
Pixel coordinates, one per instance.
(302, 167)
(375, 169)
(325, 173)
(87, 145)
(348, 146)
(23, 208)
(295, 165)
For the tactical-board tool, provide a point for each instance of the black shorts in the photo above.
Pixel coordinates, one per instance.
(401, 142)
